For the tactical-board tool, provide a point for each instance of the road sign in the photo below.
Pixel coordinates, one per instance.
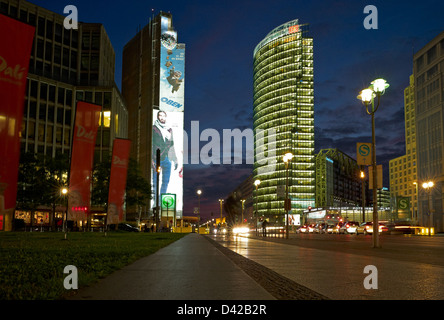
(168, 201)
(404, 203)
(364, 153)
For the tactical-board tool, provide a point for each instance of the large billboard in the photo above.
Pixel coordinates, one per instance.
(172, 69)
(168, 138)
(168, 120)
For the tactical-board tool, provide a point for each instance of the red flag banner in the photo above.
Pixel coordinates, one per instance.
(15, 50)
(82, 157)
(117, 182)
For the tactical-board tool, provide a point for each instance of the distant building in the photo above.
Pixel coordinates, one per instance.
(402, 170)
(428, 71)
(338, 181)
(283, 120)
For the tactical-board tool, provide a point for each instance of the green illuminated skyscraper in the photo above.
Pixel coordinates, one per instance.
(284, 121)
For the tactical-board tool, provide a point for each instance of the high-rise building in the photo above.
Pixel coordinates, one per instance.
(403, 175)
(428, 71)
(66, 66)
(283, 118)
(153, 88)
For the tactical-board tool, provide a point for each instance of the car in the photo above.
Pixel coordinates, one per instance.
(337, 227)
(362, 228)
(127, 227)
(302, 229)
(349, 227)
(382, 228)
(311, 228)
(319, 228)
(329, 228)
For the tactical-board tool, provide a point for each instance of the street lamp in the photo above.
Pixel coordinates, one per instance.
(376, 89)
(199, 192)
(287, 158)
(417, 206)
(363, 195)
(220, 202)
(256, 183)
(65, 194)
(428, 187)
(242, 212)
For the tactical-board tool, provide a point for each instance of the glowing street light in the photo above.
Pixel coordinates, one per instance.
(64, 192)
(256, 183)
(287, 158)
(428, 187)
(367, 96)
(199, 192)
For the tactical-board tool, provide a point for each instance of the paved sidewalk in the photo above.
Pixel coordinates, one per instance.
(188, 269)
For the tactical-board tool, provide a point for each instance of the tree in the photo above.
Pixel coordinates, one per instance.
(30, 183)
(100, 182)
(231, 207)
(138, 189)
(40, 180)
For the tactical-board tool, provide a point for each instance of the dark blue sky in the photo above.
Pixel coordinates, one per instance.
(220, 37)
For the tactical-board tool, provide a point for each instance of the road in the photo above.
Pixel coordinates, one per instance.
(408, 267)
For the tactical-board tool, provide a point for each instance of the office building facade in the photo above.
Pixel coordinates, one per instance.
(428, 71)
(283, 118)
(66, 66)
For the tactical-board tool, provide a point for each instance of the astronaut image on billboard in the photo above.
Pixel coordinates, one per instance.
(172, 70)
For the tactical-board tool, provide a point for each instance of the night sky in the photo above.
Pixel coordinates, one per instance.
(220, 37)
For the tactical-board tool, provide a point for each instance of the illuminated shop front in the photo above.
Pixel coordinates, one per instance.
(284, 120)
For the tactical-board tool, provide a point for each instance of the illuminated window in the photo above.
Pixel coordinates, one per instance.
(106, 119)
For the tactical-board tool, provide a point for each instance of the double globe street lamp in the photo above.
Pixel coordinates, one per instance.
(367, 96)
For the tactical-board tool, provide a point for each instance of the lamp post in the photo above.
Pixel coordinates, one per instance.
(256, 183)
(415, 218)
(363, 195)
(376, 89)
(242, 212)
(428, 187)
(65, 194)
(220, 202)
(287, 158)
(199, 192)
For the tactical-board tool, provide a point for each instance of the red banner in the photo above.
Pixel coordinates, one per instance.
(117, 181)
(15, 50)
(82, 157)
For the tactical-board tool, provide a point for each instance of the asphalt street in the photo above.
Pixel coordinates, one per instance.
(407, 267)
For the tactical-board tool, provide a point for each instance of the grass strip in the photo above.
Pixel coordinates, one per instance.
(32, 263)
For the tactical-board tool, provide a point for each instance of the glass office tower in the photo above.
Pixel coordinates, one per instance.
(284, 122)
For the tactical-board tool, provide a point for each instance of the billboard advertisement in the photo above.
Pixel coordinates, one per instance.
(83, 143)
(168, 138)
(117, 181)
(172, 70)
(15, 50)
